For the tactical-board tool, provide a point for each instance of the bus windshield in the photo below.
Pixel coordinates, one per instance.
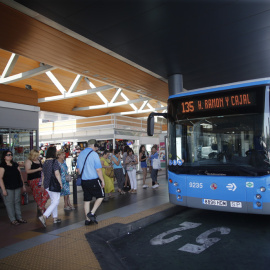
(234, 144)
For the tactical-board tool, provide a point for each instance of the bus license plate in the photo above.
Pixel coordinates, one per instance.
(236, 204)
(215, 202)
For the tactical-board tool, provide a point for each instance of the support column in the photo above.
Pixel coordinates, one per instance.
(175, 84)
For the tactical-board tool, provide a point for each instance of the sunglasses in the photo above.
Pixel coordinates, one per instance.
(8, 155)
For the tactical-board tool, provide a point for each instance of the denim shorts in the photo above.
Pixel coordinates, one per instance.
(143, 164)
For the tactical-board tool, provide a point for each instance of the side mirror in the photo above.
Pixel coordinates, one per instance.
(150, 124)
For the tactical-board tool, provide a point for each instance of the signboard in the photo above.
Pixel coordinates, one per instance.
(218, 102)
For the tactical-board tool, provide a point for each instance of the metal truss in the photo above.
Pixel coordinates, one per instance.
(70, 93)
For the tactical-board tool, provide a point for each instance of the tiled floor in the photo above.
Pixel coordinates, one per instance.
(64, 246)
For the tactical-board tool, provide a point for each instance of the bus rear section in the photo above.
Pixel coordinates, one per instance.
(218, 149)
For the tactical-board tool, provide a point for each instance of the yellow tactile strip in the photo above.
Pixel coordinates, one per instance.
(71, 250)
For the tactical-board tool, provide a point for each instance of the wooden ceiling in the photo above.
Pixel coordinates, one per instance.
(37, 43)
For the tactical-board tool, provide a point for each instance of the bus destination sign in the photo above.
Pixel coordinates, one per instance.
(219, 102)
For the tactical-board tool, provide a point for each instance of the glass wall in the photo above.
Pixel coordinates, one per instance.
(18, 141)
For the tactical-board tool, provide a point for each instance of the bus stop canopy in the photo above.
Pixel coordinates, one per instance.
(133, 46)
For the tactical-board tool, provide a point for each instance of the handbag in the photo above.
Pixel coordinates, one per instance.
(68, 178)
(40, 182)
(156, 164)
(54, 185)
(109, 172)
(24, 198)
(40, 179)
(129, 168)
(79, 178)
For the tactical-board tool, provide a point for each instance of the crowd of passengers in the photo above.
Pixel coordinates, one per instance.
(117, 167)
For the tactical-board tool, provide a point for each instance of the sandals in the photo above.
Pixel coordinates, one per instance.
(42, 220)
(15, 223)
(122, 192)
(56, 220)
(22, 221)
(41, 210)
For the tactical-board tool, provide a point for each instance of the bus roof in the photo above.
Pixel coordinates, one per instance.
(264, 81)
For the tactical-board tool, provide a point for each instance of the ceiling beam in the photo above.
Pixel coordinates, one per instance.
(138, 111)
(144, 104)
(127, 99)
(27, 74)
(58, 85)
(76, 94)
(10, 65)
(110, 105)
(116, 95)
(75, 84)
(100, 95)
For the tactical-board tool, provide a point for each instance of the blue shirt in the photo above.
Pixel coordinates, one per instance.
(153, 157)
(92, 163)
(117, 166)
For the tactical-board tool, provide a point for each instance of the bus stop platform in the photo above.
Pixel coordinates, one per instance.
(72, 245)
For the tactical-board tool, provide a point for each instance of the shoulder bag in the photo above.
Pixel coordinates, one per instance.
(68, 178)
(109, 172)
(54, 185)
(156, 164)
(79, 178)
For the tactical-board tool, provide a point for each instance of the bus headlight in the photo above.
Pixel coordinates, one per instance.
(263, 189)
(258, 196)
(178, 190)
(179, 197)
(258, 204)
(175, 183)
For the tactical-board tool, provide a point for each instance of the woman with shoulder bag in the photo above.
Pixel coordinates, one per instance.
(131, 162)
(51, 175)
(65, 177)
(118, 170)
(127, 181)
(11, 182)
(109, 181)
(33, 168)
(143, 160)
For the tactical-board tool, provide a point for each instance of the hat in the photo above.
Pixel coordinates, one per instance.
(91, 141)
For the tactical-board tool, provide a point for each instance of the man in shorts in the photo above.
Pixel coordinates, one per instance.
(92, 180)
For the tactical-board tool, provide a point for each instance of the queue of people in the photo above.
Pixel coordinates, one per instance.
(98, 177)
